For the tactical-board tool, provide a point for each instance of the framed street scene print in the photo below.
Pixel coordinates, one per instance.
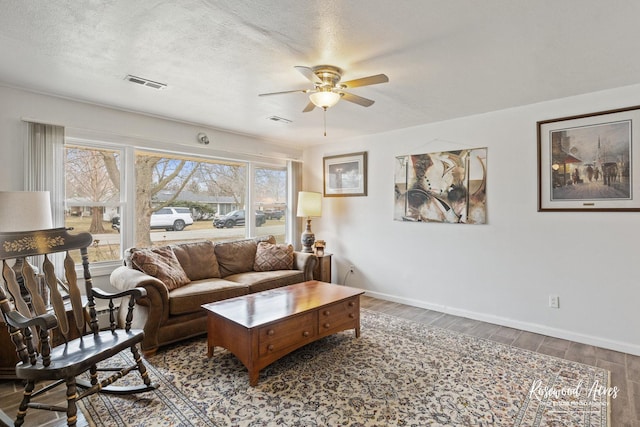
(586, 162)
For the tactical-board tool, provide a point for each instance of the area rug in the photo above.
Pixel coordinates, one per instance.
(398, 373)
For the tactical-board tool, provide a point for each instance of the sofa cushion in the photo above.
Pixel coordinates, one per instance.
(189, 298)
(270, 257)
(198, 259)
(162, 264)
(238, 256)
(258, 281)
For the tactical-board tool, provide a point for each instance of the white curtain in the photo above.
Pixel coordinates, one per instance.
(295, 174)
(44, 153)
(44, 171)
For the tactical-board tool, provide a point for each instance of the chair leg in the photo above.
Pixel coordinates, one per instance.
(24, 405)
(93, 371)
(141, 367)
(72, 396)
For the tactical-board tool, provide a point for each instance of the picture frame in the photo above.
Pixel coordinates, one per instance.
(586, 162)
(345, 175)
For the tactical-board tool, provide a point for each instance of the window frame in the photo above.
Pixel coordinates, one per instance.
(128, 183)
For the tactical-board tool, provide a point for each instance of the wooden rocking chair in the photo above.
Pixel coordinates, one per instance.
(32, 323)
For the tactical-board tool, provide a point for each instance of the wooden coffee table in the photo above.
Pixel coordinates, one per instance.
(263, 327)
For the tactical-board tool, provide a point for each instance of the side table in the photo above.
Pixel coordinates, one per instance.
(322, 272)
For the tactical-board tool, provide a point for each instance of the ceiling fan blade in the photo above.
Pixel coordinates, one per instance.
(366, 81)
(309, 74)
(310, 106)
(286, 91)
(357, 99)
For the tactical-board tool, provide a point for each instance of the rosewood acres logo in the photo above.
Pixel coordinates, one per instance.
(579, 398)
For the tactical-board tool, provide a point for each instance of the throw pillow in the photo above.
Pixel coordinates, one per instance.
(197, 259)
(236, 256)
(162, 264)
(270, 257)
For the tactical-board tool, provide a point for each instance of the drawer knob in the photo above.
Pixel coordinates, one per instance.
(327, 325)
(270, 347)
(327, 312)
(271, 332)
(351, 304)
(351, 315)
(305, 334)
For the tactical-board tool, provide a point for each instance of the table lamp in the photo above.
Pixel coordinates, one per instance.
(24, 211)
(309, 205)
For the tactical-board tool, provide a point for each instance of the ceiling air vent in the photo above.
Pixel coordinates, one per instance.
(278, 119)
(145, 82)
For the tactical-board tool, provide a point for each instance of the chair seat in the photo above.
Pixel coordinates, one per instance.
(78, 355)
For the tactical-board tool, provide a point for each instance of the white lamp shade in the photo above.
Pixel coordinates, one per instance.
(25, 211)
(324, 99)
(309, 204)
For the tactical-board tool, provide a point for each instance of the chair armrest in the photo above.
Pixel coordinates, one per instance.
(135, 292)
(45, 321)
(306, 262)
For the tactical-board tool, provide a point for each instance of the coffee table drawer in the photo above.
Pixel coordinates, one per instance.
(337, 315)
(287, 333)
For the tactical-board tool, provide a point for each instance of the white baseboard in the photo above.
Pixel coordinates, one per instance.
(512, 323)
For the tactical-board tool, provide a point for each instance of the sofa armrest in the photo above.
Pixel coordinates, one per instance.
(306, 262)
(125, 278)
(154, 310)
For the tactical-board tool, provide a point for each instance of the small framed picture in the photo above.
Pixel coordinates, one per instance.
(586, 162)
(319, 245)
(345, 175)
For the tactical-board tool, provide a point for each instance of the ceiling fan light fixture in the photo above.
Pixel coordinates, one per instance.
(324, 99)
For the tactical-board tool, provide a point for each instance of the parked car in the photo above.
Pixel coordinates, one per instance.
(234, 218)
(171, 218)
(115, 223)
(274, 214)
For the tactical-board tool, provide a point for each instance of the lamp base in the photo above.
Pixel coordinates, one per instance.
(307, 238)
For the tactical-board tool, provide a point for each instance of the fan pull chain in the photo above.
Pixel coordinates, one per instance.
(324, 115)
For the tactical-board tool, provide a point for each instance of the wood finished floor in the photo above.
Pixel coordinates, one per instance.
(624, 368)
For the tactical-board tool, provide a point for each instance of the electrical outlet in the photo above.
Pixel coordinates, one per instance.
(352, 269)
(554, 301)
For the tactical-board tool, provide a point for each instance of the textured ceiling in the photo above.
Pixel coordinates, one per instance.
(444, 59)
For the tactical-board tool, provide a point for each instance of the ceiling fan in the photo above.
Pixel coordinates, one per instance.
(327, 88)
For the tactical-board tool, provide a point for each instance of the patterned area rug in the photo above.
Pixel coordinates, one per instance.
(397, 373)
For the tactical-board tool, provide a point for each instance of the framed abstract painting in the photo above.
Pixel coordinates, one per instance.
(448, 186)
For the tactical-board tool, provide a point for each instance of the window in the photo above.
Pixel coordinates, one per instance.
(92, 197)
(270, 201)
(176, 193)
(167, 198)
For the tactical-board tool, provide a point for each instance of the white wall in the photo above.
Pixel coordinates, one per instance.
(502, 272)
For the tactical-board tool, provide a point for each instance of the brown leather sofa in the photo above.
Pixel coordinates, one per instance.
(215, 272)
